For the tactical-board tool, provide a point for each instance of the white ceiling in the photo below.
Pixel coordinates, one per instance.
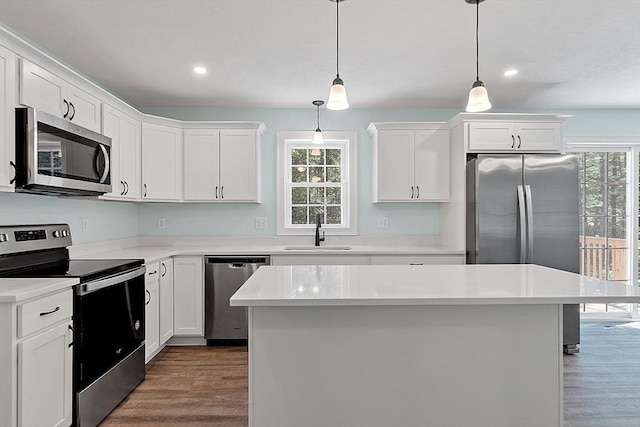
(393, 53)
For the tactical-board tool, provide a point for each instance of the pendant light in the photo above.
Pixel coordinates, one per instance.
(317, 135)
(338, 94)
(478, 96)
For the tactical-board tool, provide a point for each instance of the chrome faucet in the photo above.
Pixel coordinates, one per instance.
(318, 225)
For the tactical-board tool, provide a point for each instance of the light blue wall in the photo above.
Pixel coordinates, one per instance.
(106, 220)
(111, 220)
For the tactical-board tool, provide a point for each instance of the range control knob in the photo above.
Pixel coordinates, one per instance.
(57, 233)
(3, 238)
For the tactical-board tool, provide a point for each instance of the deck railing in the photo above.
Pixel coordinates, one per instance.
(594, 253)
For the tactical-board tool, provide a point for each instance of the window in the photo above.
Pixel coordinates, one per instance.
(316, 180)
(609, 206)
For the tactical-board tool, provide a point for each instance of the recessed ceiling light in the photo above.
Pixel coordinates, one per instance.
(199, 70)
(510, 73)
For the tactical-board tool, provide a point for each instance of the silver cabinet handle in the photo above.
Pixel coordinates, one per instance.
(216, 191)
(529, 199)
(222, 192)
(513, 141)
(523, 225)
(122, 192)
(412, 191)
(74, 110)
(519, 141)
(418, 189)
(164, 269)
(145, 190)
(126, 186)
(66, 113)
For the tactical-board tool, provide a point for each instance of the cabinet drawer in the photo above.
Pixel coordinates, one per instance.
(416, 259)
(153, 272)
(44, 312)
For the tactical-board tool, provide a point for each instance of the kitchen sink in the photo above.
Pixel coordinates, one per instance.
(316, 248)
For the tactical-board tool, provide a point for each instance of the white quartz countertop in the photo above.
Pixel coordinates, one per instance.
(16, 290)
(156, 253)
(333, 285)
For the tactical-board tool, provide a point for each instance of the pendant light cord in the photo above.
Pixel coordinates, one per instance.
(337, 38)
(477, 44)
(318, 117)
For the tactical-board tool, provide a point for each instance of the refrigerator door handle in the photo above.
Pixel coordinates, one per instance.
(529, 199)
(523, 227)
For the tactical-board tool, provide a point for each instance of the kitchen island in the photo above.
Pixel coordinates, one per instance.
(434, 345)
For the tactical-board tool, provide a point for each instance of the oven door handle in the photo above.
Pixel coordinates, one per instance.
(96, 285)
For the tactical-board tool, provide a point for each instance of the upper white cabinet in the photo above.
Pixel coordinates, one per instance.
(411, 162)
(161, 162)
(222, 164)
(7, 122)
(125, 134)
(47, 92)
(500, 133)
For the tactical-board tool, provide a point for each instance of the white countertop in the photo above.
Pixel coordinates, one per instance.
(16, 290)
(425, 285)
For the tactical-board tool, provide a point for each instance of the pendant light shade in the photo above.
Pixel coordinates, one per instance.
(478, 96)
(317, 135)
(338, 94)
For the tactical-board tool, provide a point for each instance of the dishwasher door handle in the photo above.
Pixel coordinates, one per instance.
(236, 266)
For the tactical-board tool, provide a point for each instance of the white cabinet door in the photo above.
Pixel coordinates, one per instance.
(188, 294)
(538, 136)
(238, 165)
(7, 121)
(166, 300)
(45, 378)
(201, 164)
(125, 153)
(492, 136)
(395, 165)
(151, 319)
(432, 165)
(161, 162)
(47, 92)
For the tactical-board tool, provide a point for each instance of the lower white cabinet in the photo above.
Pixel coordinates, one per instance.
(166, 300)
(435, 259)
(188, 293)
(313, 259)
(36, 355)
(151, 311)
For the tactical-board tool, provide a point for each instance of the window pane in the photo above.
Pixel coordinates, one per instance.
(617, 167)
(316, 156)
(616, 200)
(594, 167)
(334, 195)
(334, 215)
(313, 210)
(617, 230)
(593, 260)
(299, 215)
(298, 156)
(316, 174)
(333, 156)
(333, 174)
(44, 159)
(594, 198)
(298, 174)
(299, 195)
(594, 226)
(316, 195)
(617, 264)
(57, 160)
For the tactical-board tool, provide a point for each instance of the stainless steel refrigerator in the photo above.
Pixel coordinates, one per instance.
(524, 209)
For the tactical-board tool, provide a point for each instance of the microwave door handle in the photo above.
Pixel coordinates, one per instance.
(105, 173)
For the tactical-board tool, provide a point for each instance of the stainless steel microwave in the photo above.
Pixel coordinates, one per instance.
(57, 157)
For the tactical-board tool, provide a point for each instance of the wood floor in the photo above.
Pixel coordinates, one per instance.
(208, 386)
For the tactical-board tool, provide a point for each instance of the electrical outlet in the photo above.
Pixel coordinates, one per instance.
(383, 222)
(261, 223)
(85, 224)
(162, 222)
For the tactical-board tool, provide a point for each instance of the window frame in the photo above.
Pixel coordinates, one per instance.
(332, 139)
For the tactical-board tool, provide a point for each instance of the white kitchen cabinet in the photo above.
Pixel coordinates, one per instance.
(411, 165)
(314, 259)
(188, 294)
(508, 136)
(222, 165)
(47, 92)
(166, 300)
(151, 311)
(7, 121)
(161, 162)
(36, 355)
(125, 134)
(435, 259)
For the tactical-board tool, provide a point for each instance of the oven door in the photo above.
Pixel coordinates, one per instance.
(109, 324)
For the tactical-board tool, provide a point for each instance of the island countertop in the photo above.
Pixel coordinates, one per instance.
(333, 285)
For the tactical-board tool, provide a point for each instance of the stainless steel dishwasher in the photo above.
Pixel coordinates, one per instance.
(223, 277)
